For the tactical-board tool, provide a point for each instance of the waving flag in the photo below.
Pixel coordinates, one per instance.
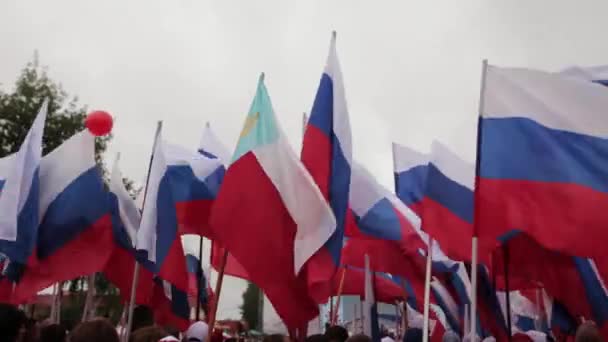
(125, 223)
(381, 215)
(598, 74)
(196, 179)
(197, 279)
(327, 154)
(270, 214)
(170, 305)
(178, 184)
(447, 303)
(548, 181)
(19, 202)
(411, 170)
(75, 231)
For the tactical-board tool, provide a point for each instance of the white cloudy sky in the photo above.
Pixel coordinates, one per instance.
(411, 68)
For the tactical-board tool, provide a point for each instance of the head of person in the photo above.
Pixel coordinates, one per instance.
(588, 332)
(148, 334)
(197, 332)
(413, 335)
(316, 338)
(275, 338)
(450, 336)
(336, 333)
(53, 333)
(12, 322)
(142, 317)
(359, 338)
(97, 330)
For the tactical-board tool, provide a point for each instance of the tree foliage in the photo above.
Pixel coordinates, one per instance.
(249, 308)
(18, 109)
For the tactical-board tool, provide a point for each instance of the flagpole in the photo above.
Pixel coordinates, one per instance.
(198, 280)
(89, 299)
(218, 290)
(334, 318)
(159, 126)
(474, 256)
(505, 251)
(427, 292)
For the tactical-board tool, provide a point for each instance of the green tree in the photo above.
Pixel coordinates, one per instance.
(65, 117)
(249, 308)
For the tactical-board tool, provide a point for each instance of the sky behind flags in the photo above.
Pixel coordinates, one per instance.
(206, 47)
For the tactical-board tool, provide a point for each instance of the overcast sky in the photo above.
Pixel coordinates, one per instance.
(411, 68)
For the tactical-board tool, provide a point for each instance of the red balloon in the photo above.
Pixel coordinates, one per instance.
(99, 123)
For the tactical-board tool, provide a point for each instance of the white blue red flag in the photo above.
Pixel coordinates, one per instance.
(327, 154)
(19, 197)
(75, 222)
(548, 180)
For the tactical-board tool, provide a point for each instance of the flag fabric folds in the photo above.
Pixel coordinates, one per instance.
(19, 198)
(410, 171)
(179, 194)
(170, 305)
(125, 224)
(327, 154)
(269, 213)
(548, 181)
(75, 231)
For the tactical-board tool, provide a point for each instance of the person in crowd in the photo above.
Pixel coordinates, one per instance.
(450, 336)
(169, 338)
(276, 338)
(317, 338)
(97, 330)
(53, 333)
(12, 323)
(336, 333)
(359, 338)
(147, 334)
(171, 331)
(588, 332)
(142, 317)
(413, 335)
(197, 332)
(32, 331)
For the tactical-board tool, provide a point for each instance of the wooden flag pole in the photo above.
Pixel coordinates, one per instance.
(218, 290)
(159, 126)
(88, 303)
(198, 280)
(334, 318)
(427, 292)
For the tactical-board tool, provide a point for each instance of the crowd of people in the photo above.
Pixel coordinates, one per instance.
(15, 326)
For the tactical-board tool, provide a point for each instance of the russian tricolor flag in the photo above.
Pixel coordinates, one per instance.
(410, 170)
(178, 183)
(19, 198)
(75, 225)
(170, 305)
(125, 223)
(195, 195)
(542, 159)
(379, 214)
(439, 188)
(327, 154)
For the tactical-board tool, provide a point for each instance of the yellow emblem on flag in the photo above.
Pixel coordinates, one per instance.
(251, 121)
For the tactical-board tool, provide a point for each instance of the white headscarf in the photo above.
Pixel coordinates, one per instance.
(198, 331)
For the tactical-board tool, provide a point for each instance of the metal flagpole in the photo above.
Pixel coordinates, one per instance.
(159, 126)
(427, 292)
(474, 260)
(198, 281)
